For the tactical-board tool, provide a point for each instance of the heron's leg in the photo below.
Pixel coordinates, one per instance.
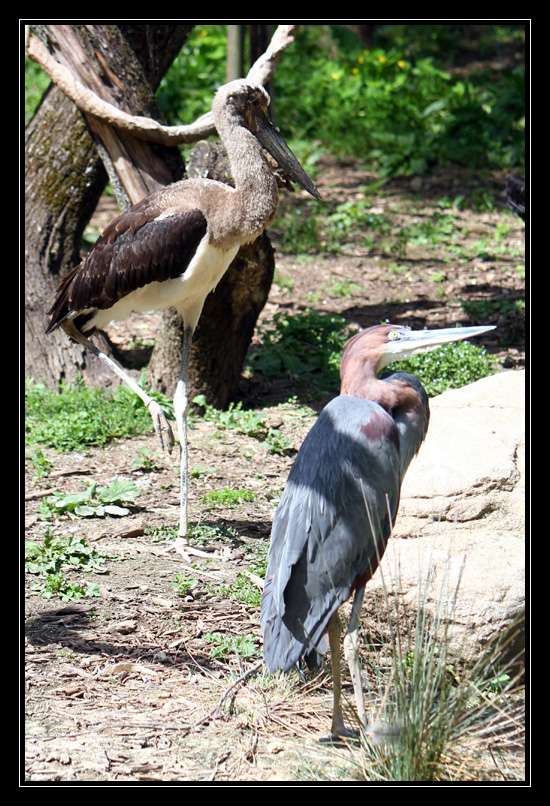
(351, 651)
(180, 411)
(160, 422)
(338, 728)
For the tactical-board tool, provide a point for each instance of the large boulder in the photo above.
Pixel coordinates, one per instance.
(462, 511)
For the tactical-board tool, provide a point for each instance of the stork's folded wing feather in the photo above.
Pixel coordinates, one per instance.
(147, 243)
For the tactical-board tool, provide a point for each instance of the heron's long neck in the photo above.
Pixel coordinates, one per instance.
(359, 380)
(255, 184)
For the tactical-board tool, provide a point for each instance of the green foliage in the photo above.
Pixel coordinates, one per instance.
(49, 556)
(79, 416)
(244, 421)
(311, 227)
(203, 534)
(145, 461)
(426, 713)
(225, 645)
(484, 309)
(183, 585)
(199, 69)
(306, 345)
(58, 585)
(401, 114)
(448, 367)
(343, 288)
(297, 230)
(284, 282)
(48, 559)
(242, 590)
(199, 472)
(94, 501)
(395, 106)
(36, 83)
(228, 497)
(41, 464)
(161, 534)
(434, 231)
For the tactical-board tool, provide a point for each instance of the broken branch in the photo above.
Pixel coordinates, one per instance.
(142, 127)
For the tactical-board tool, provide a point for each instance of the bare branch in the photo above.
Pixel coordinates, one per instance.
(142, 127)
(263, 68)
(146, 128)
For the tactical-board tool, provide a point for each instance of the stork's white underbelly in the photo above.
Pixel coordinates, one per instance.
(186, 293)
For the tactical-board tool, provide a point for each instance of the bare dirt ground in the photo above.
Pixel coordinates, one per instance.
(122, 687)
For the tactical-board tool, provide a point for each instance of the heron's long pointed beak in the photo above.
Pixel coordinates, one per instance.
(420, 341)
(273, 142)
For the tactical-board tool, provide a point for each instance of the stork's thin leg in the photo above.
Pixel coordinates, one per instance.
(180, 411)
(351, 651)
(160, 423)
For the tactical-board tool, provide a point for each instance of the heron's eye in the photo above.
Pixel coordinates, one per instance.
(394, 335)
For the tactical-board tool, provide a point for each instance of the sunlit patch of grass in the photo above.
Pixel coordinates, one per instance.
(79, 415)
(228, 497)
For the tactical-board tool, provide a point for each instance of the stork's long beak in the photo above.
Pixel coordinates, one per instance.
(411, 342)
(272, 141)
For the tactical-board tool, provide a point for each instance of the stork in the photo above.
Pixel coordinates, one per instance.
(173, 247)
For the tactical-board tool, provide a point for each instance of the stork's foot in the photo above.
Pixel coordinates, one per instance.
(162, 427)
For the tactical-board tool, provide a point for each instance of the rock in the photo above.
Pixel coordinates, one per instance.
(462, 511)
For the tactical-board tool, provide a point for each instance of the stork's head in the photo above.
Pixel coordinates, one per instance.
(376, 347)
(246, 104)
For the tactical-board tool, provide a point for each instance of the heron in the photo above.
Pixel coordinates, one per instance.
(172, 248)
(339, 505)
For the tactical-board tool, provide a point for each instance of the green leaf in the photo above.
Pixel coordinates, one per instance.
(111, 509)
(119, 490)
(85, 511)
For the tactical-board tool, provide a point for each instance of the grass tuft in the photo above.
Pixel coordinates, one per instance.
(80, 416)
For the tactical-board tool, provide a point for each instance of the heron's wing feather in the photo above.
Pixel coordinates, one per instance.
(331, 526)
(147, 243)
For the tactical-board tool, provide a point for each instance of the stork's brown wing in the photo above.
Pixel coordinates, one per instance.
(143, 245)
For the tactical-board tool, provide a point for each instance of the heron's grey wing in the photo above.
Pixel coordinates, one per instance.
(331, 526)
(147, 243)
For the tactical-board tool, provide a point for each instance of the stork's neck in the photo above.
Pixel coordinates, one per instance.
(256, 195)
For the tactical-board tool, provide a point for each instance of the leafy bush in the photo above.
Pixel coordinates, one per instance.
(448, 367)
(400, 115)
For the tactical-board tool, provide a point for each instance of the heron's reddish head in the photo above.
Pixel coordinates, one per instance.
(369, 351)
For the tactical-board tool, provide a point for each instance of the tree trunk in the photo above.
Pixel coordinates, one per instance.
(235, 52)
(64, 178)
(230, 313)
(101, 58)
